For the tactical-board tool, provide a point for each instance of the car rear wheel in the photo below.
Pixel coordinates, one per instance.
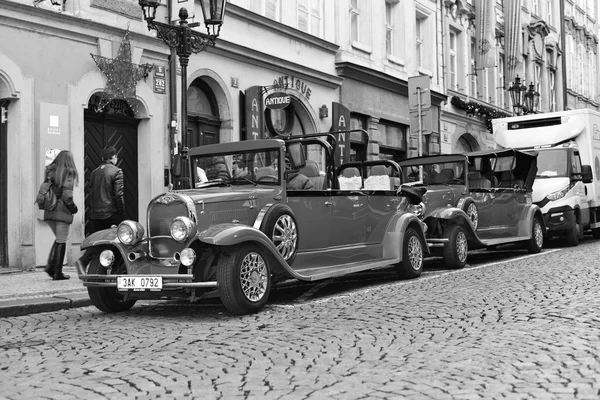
(108, 300)
(280, 226)
(455, 251)
(411, 265)
(535, 244)
(244, 279)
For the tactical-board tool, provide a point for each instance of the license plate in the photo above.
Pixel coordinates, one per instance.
(139, 283)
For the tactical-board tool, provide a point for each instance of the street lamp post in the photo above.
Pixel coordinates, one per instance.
(524, 101)
(186, 41)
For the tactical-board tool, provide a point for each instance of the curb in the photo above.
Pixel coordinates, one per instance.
(15, 308)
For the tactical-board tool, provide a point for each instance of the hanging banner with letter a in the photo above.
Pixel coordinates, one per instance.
(254, 113)
(340, 121)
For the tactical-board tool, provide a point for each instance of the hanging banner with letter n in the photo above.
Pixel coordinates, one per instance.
(254, 113)
(340, 121)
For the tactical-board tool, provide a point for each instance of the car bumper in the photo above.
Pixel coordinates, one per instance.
(169, 281)
(560, 220)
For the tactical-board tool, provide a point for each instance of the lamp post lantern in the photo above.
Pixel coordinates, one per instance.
(532, 99)
(524, 101)
(186, 41)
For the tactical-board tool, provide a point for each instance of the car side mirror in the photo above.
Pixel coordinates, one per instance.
(586, 174)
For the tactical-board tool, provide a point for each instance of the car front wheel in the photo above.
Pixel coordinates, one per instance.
(108, 300)
(244, 279)
(535, 244)
(411, 265)
(455, 251)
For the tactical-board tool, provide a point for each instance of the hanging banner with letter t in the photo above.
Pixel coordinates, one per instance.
(340, 121)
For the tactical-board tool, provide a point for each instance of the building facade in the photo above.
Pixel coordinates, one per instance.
(419, 77)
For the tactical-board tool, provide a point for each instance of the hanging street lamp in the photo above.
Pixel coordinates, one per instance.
(516, 95)
(532, 100)
(186, 41)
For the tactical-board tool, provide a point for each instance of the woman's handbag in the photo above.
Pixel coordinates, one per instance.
(46, 198)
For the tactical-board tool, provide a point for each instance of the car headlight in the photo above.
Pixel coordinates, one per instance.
(130, 232)
(559, 194)
(107, 258)
(187, 256)
(182, 228)
(417, 209)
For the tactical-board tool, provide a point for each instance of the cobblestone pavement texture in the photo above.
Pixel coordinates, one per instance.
(521, 329)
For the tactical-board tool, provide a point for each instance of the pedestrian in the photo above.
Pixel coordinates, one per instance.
(294, 179)
(64, 176)
(107, 206)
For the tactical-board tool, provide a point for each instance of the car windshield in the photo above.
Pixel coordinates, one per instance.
(240, 168)
(551, 163)
(440, 173)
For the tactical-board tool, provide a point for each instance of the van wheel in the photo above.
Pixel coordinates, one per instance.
(280, 226)
(455, 251)
(244, 279)
(535, 244)
(108, 300)
(411, 265)
(573, 236)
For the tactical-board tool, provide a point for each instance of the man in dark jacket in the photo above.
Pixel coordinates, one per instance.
(294, 179)
(107, 201)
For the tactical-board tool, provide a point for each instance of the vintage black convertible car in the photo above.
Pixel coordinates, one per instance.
(477, 200)
(241, 229)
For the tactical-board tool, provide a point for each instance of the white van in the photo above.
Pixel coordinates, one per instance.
(565, 188)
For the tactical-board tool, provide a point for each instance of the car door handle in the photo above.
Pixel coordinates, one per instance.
(329, 203)
(394, 200)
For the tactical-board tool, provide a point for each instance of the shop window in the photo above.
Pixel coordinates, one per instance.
(358, 143)
(392, 140)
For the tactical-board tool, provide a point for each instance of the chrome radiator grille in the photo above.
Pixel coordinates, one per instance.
(160, 215)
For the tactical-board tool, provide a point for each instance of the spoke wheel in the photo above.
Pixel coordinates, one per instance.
(536, 242)
(244, 279)
(411, 265)
(280, 226)
(470, 209)
(456, 250)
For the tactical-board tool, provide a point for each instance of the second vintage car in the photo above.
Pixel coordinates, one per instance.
(259, 212)
(477, 200)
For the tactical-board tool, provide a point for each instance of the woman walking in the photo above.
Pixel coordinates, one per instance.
(63, 175)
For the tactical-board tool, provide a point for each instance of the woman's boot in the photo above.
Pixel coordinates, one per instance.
(50, 264)
(58, 262)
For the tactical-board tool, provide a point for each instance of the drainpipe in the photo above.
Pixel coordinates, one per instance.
(172, 101)
(563, 42)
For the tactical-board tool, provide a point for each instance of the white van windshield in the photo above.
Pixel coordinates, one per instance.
(551, 163)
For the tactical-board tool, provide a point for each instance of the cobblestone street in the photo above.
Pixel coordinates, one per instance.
(525, 328)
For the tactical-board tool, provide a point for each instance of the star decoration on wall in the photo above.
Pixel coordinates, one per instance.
(122, 75)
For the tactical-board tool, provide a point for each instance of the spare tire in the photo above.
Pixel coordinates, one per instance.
(280, 225)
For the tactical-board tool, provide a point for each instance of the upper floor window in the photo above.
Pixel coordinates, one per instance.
(419, 36)
(453, 60)
(269, 8)
(549, 12)
(354, 19)
(535, 7)
(389, 29)
(473, 71)
(310, 18)
(500, 92)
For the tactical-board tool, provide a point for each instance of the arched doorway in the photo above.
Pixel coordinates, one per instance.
(116, 126)
(466, 144)
(204, 122)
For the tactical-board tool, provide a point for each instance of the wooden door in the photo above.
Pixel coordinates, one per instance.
(203, 130)
(120, 132)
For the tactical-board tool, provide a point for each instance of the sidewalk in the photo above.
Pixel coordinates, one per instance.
(30, 292)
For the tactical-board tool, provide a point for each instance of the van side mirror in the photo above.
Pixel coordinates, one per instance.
(586, 174)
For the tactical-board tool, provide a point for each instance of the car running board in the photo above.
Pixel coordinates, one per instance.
(319, 273)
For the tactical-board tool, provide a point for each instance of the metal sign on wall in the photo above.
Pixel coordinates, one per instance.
(160, 83)
(340, 121)
(254, 122)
